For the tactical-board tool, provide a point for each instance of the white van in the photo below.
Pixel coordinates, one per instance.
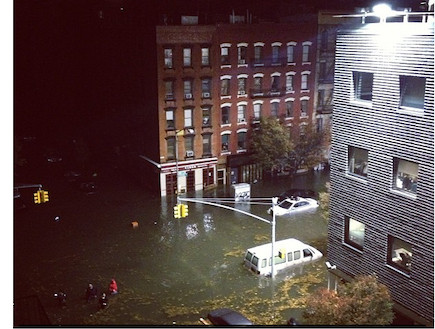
(287, 252)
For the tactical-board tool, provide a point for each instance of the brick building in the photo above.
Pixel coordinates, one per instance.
(214, 84)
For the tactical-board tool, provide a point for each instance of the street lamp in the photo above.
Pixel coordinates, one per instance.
(177, 133)
(274, 203)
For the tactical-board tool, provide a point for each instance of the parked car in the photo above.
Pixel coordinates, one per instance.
(227, 317)
(298, 193)
(293, 205)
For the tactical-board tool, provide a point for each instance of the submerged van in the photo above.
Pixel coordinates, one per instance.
(287, 252)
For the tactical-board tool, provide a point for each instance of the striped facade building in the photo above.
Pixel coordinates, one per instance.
(382, 161)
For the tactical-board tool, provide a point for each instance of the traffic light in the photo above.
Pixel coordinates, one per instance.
(184, 210)
(281, 254)
(37, 197)
(44, 196)
(177, 209)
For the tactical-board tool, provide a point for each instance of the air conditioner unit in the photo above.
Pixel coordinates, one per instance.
(206, 95)
(242, 120)
(242, 92)
(189, 153)
(188, 96)
(242, 61)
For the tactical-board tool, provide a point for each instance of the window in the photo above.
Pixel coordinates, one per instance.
(206, 116)
(306, 52)
(258, 84)
(241, 113)
(170, 120)
(168, 58)
(206, 144)
(322, 71)
(241, 83)
(188, 120)
(225, 115)
(225, 142)
(289, 82)
(170, 148)
(225, 55)
(188, 92)
(412, 91)
(241, 140)
(257, 111)
(290, 52)
(275, 54)
(324, 40)
(225, 87)
(275, 83)
(405, 175)
(169, 89)
(354, 232)
(188, 144)
(289, 108)
(187, 57)
(242, 55)
(307, 253)
(363, 85)
(358, 160)
(399, 254)
(258, 54)
(321, 97)
(206, 87)
(304, 107)
(290, 257)
(297, 255)
(205, 56)
(274, 109)
(304, 81)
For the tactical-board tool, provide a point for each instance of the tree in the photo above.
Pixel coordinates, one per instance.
(363, 301)
(309, 148)
(270, 143)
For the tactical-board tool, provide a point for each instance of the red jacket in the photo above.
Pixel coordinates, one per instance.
(113, 287)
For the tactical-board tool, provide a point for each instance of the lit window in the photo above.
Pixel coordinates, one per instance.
(187, 57)
(205, 56)
(363, 85)
(225, 115)
(358, 160)
(399, 254)
(168, 58)
(412, 91)
(354, 233)
(188, 122)
(225, 87)
(170, 122)
(405, 175)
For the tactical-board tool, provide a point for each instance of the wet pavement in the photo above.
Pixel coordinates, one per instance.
(169, 271)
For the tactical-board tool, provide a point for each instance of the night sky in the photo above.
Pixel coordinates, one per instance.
(78, 74)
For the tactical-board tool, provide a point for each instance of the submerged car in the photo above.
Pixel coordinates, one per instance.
(293, 204)
(298, 193)
(228, 317)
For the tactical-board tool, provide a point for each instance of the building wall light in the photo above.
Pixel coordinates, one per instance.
(383, 11)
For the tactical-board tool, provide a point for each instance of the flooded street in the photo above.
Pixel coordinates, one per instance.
(169, 271)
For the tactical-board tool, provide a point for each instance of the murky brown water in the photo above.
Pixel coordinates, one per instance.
(168, 270)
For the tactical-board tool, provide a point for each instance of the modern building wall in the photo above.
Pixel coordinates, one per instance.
(253, 71)
(382, 161)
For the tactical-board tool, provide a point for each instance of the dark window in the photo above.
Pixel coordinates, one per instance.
(412, 91)
(206, 144)
(399, 254)
(363, 85)
(225, 115)
(354, 233)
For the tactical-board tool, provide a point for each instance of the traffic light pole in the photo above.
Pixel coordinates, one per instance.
(272, 223)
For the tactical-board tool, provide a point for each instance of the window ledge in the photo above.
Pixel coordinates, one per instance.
(241, 151)
(398, 271)
(225, 66)
(352, 248)
(225, 125)
(291, 63)
(405, 194)
(362, 103)
(226, 97)
(411, 111)
(357, 178)
(225, 152)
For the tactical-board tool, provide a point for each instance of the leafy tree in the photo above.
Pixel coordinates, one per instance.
(308, 151)
(270, 143)
(363, 301)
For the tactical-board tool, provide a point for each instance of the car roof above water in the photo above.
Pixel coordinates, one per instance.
(288, 244)
(228, 317)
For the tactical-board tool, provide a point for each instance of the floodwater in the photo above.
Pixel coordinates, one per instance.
(169, 271)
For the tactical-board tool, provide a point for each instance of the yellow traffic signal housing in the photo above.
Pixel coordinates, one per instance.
(37, 197)
(184, 210)
(281, 254)
(177, 211)
(44, 196)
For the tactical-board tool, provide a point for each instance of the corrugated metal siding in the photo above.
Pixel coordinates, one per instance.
(388, 51)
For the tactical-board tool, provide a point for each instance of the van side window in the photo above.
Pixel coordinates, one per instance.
(255, 260)
(307, 253)
(290, 256)
(263, 262)
(297, 254)
(248, 256)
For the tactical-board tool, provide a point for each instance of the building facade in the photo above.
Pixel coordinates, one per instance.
(382, 161)
(215, 82)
